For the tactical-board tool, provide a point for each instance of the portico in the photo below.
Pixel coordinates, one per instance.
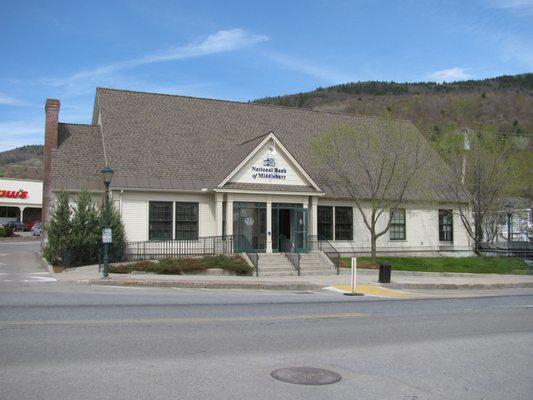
(267, 222)
(266, 200)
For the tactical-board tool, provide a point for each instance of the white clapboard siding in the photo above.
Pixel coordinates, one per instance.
(135, 218)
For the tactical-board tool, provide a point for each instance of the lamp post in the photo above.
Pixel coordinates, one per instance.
(509, 211)
(106, 234)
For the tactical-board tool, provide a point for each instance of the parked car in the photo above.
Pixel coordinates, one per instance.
(29, 224)
(37, 229)
(16, 226)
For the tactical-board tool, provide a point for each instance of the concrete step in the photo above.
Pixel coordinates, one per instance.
(313, 262)
(278, 264)
(276, 269)
(270, 266)
(278, 274)
(307, 273)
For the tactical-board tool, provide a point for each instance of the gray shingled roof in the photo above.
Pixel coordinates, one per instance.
(159, 141)
(77, 161)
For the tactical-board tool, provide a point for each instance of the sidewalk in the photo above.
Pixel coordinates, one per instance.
(401, 280)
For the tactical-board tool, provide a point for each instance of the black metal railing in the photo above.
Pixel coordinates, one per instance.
(319, 243)
(87, 254)
(251, 253)
(286, 247)
(159, 249)
(511, 249)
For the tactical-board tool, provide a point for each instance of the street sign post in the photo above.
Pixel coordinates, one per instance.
(107, 236)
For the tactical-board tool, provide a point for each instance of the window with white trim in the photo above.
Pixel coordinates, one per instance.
(397, 225)
(186, 221)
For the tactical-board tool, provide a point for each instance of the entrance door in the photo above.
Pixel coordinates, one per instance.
(249, 222)
(299, 224)
(289, 221)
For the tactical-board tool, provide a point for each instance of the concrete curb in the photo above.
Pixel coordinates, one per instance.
(465, 286)
(205, 284)
(364, 271)
(49, 266)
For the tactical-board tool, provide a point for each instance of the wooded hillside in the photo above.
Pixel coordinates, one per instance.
(505, 103)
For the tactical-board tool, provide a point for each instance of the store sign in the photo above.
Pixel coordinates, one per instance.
(14, 194)
(269, 170)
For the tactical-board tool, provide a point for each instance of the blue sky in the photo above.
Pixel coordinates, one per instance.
(242, 50)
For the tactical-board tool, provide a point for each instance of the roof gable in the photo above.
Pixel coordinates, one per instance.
(270, 163)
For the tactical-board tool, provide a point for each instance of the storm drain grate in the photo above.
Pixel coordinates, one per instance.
(306, 376)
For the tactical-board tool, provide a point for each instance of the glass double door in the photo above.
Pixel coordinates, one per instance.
(249, 222)
(289, 226)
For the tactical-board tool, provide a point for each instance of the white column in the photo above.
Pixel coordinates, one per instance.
(173, 219)
(219, 198)
(229, 215)
(269, 225)
(21, 208)
(333, 233)
(313, 217)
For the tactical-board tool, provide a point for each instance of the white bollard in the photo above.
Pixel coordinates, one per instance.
(353, 279)
(354, 273)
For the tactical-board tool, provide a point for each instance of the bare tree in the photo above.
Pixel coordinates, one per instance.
(483, 173)
(378, 163)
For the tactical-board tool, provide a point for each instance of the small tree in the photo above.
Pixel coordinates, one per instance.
(378, 164)
(59, 230)
(75, 235)
(484, 172)
(84, 239)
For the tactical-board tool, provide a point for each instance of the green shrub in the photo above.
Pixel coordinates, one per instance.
(180, 266)
(129, 268)
(6, 231)
(233, 264)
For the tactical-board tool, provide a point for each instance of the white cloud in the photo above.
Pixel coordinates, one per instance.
(9, 101)
(522, 7)
(322, 72)
(221, 41)
(18, 133)
(449, 75)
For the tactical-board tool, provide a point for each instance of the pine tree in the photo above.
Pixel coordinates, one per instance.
(85, 230)
(59, 230)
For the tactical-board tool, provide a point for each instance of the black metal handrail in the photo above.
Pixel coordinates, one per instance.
(251, 253)
(322, 244)
(286, 247)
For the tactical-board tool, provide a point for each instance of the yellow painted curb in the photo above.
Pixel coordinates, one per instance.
(372, 290)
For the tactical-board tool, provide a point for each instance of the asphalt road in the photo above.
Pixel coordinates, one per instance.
(78, 342)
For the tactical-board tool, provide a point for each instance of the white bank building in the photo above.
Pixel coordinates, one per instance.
(186, 169)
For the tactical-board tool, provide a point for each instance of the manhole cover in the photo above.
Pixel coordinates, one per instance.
(306, 376)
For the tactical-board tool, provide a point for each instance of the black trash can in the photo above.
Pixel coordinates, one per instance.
(384, 272)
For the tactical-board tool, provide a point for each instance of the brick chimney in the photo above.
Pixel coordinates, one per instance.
(50, 143)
